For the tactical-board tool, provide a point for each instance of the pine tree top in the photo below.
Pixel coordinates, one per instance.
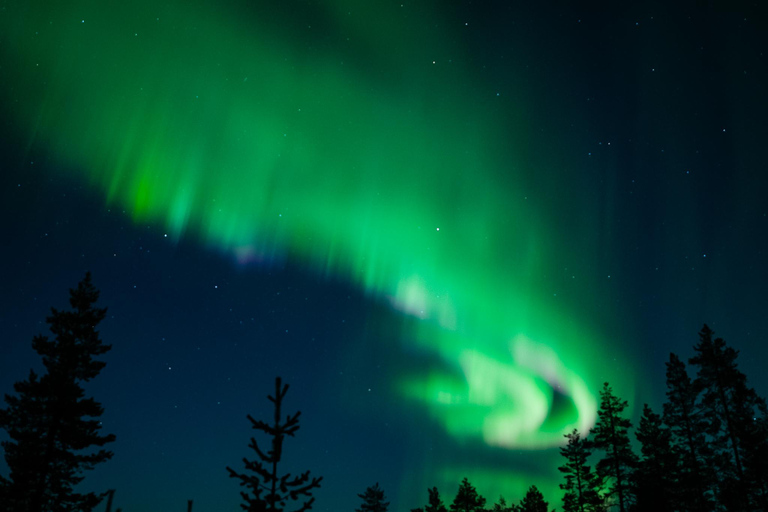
(262, 472)
(373, 500)
(435, 502)
(467, 499)
(70, 355)
(611, 426)
(534, 501)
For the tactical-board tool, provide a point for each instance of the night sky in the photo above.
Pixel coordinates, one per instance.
(444, 224)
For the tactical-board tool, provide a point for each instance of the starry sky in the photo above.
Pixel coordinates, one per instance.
(444, 224)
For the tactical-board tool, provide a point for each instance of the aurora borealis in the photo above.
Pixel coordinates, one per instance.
(513, 206)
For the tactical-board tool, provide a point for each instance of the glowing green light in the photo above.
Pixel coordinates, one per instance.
(267, 143)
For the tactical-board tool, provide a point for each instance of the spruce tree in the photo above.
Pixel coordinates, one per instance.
(52, 426)
(533, 501)
(501, 505)
(582, 486)
(435, 503)
(373, 500)
(611, 435)
(682, 414)
(655, 475)
(467, 499)
(731, 410)
(263, 473)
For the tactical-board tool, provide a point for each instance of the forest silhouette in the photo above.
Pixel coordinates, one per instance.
(705, 451)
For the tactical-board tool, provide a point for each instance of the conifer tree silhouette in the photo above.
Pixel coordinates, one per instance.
(435, 503)
(467, 499)
(756, 460)
(682, 413)
(611, 436)
(533, 501)
(656, 472)
(582, 485)
(263, 474)
(373, 500)
(735, 416)
(50, 422)
(502, 506)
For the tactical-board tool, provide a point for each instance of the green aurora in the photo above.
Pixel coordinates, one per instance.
(355, 149)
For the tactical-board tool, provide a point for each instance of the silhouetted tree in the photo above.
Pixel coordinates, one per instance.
(656, 471)
(50, 422)
(731, 409)
(582, 486)
(756, 458)
(682, 414)
(467, 499)
(373, 500)
(263, 475)
(502, 506)
(611, 436)
(435, 503)
(533, 501)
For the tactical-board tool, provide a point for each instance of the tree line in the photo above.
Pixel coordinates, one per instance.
(706, 451)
